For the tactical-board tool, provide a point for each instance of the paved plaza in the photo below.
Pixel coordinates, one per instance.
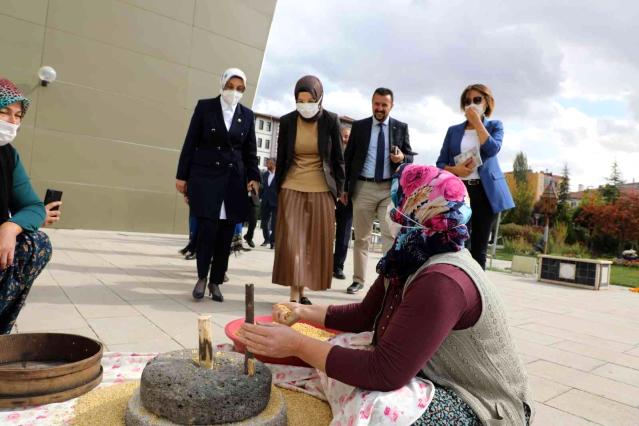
(133, 292)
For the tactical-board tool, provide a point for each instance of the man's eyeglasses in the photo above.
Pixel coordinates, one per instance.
(476, 100)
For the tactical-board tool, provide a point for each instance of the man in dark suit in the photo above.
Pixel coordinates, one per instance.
(343, 224)
(217, 167)
(376, 147)
(269, 203)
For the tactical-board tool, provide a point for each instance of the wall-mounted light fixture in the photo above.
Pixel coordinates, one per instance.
(47, 75)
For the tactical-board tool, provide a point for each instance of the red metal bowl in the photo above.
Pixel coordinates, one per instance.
(231, 328)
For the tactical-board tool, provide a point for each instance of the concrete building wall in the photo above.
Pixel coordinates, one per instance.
(109, 130)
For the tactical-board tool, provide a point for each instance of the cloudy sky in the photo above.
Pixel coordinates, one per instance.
(565, 74)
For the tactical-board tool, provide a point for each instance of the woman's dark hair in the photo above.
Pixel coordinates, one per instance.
(485, 92)
(383, 91)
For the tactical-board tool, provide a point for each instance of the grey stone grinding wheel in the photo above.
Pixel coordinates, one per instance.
(274, 415)
(174, 388)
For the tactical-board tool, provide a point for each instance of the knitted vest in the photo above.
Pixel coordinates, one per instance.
(480, 363)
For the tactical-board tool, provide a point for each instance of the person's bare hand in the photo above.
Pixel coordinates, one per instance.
(344, 198)
(272, 340)
(397, 156)
(472, 116)
(52, 215)
(8, 233)
(180, 185)
(254, 185)
(287, 313)
(462, 170)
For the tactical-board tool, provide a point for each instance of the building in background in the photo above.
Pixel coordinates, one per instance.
(108, 132)
(267, 129)
(575, 198)
(537, 181)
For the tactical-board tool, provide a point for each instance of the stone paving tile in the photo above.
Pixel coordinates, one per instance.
(618, 333)
(38, 316)
(576, 337)
(99, 302)
(530, 336)
(599, 352)
(589, 382)
(619, 373)
(84, 331)
(596, 408)
(527, 359)
(634, 352)
(125, 330)
(558, 356)
(48, 293)
(545, 389)
(549, 416)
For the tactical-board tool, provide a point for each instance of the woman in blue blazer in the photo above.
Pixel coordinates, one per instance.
(487, 188)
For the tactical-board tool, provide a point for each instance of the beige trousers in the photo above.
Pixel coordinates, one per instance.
(369, 202)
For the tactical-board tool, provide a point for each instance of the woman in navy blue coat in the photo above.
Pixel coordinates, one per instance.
(217, 167)
(484, 180)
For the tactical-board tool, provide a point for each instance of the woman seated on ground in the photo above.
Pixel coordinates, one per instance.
(434, 314)
(24, 251)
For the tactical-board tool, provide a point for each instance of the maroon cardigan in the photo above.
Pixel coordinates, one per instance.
(409, 329)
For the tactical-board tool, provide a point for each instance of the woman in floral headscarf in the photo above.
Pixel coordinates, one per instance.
(24, 251)
(433, 311)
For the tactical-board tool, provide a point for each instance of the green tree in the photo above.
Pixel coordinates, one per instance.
(564, 192)
(520, 169)
(523, 194)
(524, 199)
(615, 175)
(610, 191)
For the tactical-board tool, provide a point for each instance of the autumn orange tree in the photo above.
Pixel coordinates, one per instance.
(618, 219)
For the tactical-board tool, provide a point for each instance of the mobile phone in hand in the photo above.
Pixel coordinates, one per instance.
(51, 196)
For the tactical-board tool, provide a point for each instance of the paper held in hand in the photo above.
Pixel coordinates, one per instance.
(471, 153)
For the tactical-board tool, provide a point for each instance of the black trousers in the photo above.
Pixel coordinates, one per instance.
(214, 242)
(252, 222)
(268, 219)
(343, 228)
(481, 223)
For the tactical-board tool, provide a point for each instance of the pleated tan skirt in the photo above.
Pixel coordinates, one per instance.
(304, 236)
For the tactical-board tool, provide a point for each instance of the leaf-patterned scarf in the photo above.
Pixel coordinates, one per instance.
(429, 204)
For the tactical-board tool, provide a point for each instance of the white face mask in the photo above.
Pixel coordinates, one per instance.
(394, 227)
(480, 109)
(8, 132)
(308, 110)
(231, 97)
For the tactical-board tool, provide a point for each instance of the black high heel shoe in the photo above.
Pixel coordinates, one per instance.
(215, 293)
(304, 301)
(198, 290)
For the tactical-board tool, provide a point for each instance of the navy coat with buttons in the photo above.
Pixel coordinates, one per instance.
(492, 178)
(217, 164)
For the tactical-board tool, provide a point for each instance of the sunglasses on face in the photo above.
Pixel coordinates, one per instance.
(476, 100)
